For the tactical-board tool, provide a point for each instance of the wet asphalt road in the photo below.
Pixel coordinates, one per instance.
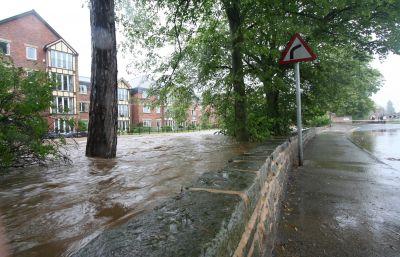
(342, 202)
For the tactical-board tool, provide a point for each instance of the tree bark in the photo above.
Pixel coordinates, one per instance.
(103, 124)
(232, 9)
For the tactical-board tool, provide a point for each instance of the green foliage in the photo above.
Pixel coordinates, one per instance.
(23, 99)
(344, 34)
(319, 121)
(82, 125)
(166, 128)
(140, 130)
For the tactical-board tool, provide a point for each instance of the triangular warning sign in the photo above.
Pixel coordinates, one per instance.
(297, 50)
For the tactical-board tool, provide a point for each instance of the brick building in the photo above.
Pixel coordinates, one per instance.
(83, 98)
(31, 43)
(141, 112)
(123, 99)
(123, 105)
(143, 115)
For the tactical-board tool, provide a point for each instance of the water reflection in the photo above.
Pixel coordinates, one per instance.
(51, 211)
(381, 140)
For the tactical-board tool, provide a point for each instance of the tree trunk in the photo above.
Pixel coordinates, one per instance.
(232, 9)
(272, 108)
(102, 131)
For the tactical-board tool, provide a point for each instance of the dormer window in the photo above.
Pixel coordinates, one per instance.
(4, 47)
(31, 53)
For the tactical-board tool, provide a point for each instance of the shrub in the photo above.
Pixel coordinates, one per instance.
(319, 121)
(23, 100)
(82, 125)
(166, 129)
(140, 130)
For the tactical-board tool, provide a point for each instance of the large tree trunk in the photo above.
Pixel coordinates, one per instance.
(102, 133)
(232, 9)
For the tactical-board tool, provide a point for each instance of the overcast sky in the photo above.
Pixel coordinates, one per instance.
(70, 18)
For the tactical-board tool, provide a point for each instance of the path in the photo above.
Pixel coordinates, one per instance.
(342, 202)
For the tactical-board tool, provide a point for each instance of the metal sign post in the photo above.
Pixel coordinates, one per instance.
(298, 103)
(297, 51)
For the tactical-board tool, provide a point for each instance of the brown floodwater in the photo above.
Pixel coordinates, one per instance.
(53, 211)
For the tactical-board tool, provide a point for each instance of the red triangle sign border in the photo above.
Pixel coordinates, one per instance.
(289, 45)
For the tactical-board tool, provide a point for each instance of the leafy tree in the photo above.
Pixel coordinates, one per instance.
(230, 50)
(181, 100)
(23, 102)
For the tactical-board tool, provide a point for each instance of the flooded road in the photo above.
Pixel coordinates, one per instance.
(382, 140)
(343, 201)
(53, 211)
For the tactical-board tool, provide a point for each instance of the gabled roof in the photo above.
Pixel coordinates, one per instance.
(33, 12)
(61, 40)
(125, 82)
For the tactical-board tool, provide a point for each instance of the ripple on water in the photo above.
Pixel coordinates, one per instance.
(53, 210)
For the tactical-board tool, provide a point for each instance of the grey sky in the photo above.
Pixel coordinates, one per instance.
(70, 18)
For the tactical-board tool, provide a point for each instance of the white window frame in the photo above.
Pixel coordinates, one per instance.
(147, 123)
(146, 109)
(158, 110)
(83, 107)
(61, 85)
(27, 52)
(83, 92)
(60, 108)
(123, 110)
(122, 94)
(8, 47)
(61, 126)
(61, 60)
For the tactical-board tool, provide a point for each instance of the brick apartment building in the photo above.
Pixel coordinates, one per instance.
(83, 99)
(143, 115)
(141, 112)
(31, 43)
(124, 119)
(123, 98)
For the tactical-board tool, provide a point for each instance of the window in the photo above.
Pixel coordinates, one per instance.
(123, 125)
(170, 123)
(123, 110)
(158, 110)
(62, 126)
(144, 94)
(63, 105)
(122, 94)
(4, 47)
(31, 53)
(146, 123)
(64, 82)
(146, 109)
(83, 107)
(61, 60)
(83, 89)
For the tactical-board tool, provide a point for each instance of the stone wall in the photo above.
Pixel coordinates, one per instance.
(229, 212)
